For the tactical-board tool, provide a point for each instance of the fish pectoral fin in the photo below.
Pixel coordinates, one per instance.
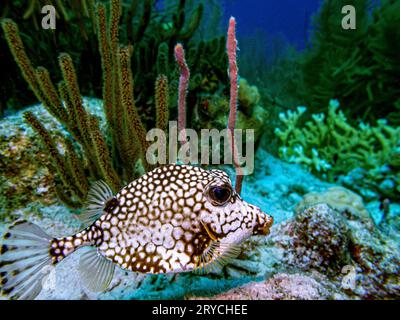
(98, 196)
(96, 271)
(216, 256)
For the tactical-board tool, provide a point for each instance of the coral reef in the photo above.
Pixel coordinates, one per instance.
(283, 286)
(328, 242)
(251, 113)
(358, 67)
(67, 107)
(153, 29)
(329, 146)
(25, 166)
(341, 200)
(113, 161)
(280, 264)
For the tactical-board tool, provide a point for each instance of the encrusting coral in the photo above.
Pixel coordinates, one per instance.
(323, 239)
(329, 146)
(320, 239)
(251, 113)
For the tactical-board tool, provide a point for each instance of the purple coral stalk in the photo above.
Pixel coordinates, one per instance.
(231, 47)
(183, 87)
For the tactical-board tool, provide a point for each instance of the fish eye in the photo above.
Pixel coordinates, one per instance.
(219, 195)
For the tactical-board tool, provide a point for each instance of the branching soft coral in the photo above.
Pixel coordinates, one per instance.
(329, 146)
(360, 67)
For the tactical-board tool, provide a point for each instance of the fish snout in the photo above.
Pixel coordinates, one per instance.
(263, 223)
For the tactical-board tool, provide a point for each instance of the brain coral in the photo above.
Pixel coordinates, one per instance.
(340, 199)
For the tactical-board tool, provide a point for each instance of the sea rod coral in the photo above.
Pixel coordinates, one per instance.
(65, 104)
(91, 154)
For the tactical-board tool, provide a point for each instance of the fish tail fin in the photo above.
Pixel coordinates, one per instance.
(24, 255)
(27, 255)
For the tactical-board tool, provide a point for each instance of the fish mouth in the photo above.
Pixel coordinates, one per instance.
(263, 225)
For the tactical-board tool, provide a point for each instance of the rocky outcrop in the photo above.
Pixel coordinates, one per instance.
(283, 286)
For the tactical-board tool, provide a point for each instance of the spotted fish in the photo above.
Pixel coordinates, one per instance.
(175, 218)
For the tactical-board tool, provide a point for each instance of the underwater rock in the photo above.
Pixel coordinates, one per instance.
(23, 170)
(283, 286)
(322, 239)
(317, 238)
(348, 203)
(377, 258)
(24, 173)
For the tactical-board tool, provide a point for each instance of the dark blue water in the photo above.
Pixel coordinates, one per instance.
(288, 18)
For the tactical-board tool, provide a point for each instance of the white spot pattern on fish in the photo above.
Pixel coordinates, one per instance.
(175, 218)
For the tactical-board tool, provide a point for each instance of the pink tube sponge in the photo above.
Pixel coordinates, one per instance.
(231, 48)
(183, 87)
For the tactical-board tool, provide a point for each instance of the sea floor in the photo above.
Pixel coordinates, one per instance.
(326, 243)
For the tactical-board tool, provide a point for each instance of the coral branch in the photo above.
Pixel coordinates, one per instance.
(76, 166)
(71, 83)
(162, 97)
(59, 163)
(101, 24)
(18, 50)
(113, 36)
(103, 156)
(54, 106)
(231, 47)
(128, 101)
(183, 87)
(194, 23)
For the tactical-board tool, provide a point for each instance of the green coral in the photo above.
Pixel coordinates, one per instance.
(360, 67)
(329, 146)
(252, 114)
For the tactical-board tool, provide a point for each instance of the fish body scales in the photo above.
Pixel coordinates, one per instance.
(175, 218)
(155, 228)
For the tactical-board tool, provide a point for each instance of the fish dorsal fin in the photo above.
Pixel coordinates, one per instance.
(99, 194)
(96, 271)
